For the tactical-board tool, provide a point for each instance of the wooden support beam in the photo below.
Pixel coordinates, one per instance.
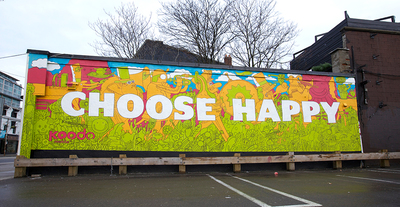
(290, 165)
(182, 167)
(384, 162)
(123, 169)
(337, 164)
(237, 167)
(183, 161)
(19, 171)
(73, 170)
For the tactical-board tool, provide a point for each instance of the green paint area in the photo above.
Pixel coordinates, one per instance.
(186, 136)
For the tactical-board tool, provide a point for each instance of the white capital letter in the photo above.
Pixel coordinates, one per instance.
(66, 103)
(180, 105)
(331, 110)
(289, 108)
(307, 111)
(268, 110)
(95, 104)
(122, 106)
(166, 109)
(202, 109)
(249, 109)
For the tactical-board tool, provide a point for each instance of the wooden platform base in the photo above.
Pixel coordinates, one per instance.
(73, 162)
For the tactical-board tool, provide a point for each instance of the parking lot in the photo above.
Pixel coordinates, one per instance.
(346, 187)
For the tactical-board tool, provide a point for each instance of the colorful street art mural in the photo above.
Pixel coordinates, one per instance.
(74, 104)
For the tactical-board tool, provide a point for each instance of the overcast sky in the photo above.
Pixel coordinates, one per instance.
(61, 26)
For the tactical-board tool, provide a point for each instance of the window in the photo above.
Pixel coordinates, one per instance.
(17, 91)
(14, 113)
(13, 127)
(15, 103)
(5, 110)
(1, 85)
(8, 101)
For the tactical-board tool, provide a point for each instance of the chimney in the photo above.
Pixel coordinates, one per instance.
(228, 60)
(340, 60)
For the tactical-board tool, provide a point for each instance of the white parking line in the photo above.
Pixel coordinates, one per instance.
(254, 200)
(11, 171)
(6, 163)
(384, 171)
(260, 203)
(388, 170)
(6, 178)
(310, 203)
(371, 179)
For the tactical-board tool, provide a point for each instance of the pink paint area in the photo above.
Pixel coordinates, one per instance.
(320, 89)
(43, 104)
(88, 66)
(36, 75)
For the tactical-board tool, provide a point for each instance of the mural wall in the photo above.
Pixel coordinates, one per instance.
(74, 104)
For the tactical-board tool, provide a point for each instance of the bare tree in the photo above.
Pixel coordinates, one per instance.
(261, 37)
(202, 26)
(123, 33)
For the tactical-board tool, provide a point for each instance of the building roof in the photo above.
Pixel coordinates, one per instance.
(9, 77)
(319, 52)
(157, 50)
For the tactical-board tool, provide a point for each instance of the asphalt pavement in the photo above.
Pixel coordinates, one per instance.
(7, 166)
(346, 187)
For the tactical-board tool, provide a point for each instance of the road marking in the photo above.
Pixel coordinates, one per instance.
(6, 178)
(388, 170)
(3, 163)
(310, 203)
(372, 179)
(384, 171)
(300, 205)
(11, 171)
(254, 200)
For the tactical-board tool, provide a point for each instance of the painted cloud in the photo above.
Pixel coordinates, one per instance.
(52, 66)
(39, 63)
(228, 76)
(350, 81)
(134, 70)
(179, 72)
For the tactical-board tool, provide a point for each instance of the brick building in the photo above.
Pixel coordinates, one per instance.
(373, 47)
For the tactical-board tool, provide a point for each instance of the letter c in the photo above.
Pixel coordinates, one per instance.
(66, 103)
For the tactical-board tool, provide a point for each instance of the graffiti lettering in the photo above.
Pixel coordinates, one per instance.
(160, 107)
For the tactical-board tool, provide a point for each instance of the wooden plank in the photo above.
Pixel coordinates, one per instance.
(73, 170)
(338, 163)
(290, 166)
(237, 167)
(123, 169)
(384, 162)
(393, 155)
(45, 162)
(182, 167)
(19, 171)
(212, 160)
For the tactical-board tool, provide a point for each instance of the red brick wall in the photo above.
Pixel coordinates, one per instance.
(380, 126)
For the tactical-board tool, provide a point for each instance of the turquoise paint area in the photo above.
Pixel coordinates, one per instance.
(61, 62)
(35, 57)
